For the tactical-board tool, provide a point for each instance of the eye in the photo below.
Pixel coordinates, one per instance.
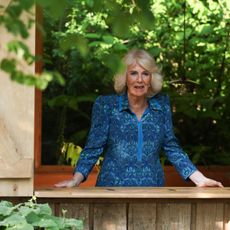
(133, 73)
(145, 74)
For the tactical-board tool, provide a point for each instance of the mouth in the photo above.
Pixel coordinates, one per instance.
(139, 87)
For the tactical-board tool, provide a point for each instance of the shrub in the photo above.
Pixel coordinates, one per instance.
(31, 215)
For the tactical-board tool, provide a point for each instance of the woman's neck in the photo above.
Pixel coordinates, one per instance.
(138, 105)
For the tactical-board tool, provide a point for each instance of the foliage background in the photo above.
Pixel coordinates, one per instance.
(88, 41)
(84, 41)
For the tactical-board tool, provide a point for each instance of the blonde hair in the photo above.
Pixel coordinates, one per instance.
(146, 61)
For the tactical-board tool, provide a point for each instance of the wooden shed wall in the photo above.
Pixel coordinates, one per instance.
(16, 124)
(166, 208)
(148, 214)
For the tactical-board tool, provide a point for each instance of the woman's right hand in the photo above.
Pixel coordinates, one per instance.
(75, 181)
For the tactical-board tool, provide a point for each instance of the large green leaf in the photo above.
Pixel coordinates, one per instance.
(6, 208)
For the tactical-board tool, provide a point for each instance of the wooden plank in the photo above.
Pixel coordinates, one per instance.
(75, 210)
(16, 122)
(142, 216)
(21, 169)
(227, 216)
(173, 216)
(210, 216)
(110, 217)
(12, 163)
(119, 192)
(16, 187)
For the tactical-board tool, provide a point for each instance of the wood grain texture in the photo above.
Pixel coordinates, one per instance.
(142, 216)
(16, 187)
(78, 211)
(16, 123)
(110, 217)
(227, 216)
(140, 193)
(209, 216)
(173, 216)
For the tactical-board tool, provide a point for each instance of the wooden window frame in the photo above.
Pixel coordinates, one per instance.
(41, 171)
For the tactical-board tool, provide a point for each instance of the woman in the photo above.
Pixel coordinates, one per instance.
(131, 128)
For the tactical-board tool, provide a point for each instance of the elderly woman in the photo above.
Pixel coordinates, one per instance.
(131, 128)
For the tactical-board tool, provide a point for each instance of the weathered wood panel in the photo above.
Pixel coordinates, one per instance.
(142, 216)
(78, 211)
(143, 213)
(210, 216)
(227, 216)
(15, 187)
(173, 216)
(147, 208)
(116, 214)
(140, 193)
(109, 217)
(16, 126)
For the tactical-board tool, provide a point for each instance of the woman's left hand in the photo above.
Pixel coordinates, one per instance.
(209, 183)
(201, 181)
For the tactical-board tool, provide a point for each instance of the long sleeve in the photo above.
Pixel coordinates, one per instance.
(171, 148)
(97, 137)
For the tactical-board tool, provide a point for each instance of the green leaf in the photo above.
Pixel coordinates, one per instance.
(8, 65)
(78, 224)
(22, 226)
(95, 44)
(45, 209)
(58, 78)
(5, 208)
(205, 29)
(24, 211)
(45, 222)
(58, 101)
(32, 217)
(108, 39)
(196, 157)
(22, 78)
(93, 35)
(120, 47)
(79, 136)
(42, 81)
(73, 153)
(73, 103)
(21, 50)
(113, 61)
(52, 8)
(90, 3)
(13, 220)
(70, 41)
(90, 97)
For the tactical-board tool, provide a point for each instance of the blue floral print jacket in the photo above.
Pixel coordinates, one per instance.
(131, 147)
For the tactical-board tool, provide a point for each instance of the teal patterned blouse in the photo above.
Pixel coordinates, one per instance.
(131, 147)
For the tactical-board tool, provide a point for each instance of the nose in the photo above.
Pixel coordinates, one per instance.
(139, 78)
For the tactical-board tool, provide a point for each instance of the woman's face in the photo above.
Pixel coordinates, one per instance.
(138, 80)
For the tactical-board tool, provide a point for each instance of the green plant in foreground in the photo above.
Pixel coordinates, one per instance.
(31, 215)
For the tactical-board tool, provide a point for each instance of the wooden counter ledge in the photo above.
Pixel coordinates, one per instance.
(128, 192)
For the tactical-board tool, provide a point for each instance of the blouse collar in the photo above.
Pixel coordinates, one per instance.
(124, 103)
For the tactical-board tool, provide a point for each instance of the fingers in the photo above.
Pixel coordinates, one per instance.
(66, 183)
(214, 183)
(61, 184)
(210, 183)
(219, 185)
